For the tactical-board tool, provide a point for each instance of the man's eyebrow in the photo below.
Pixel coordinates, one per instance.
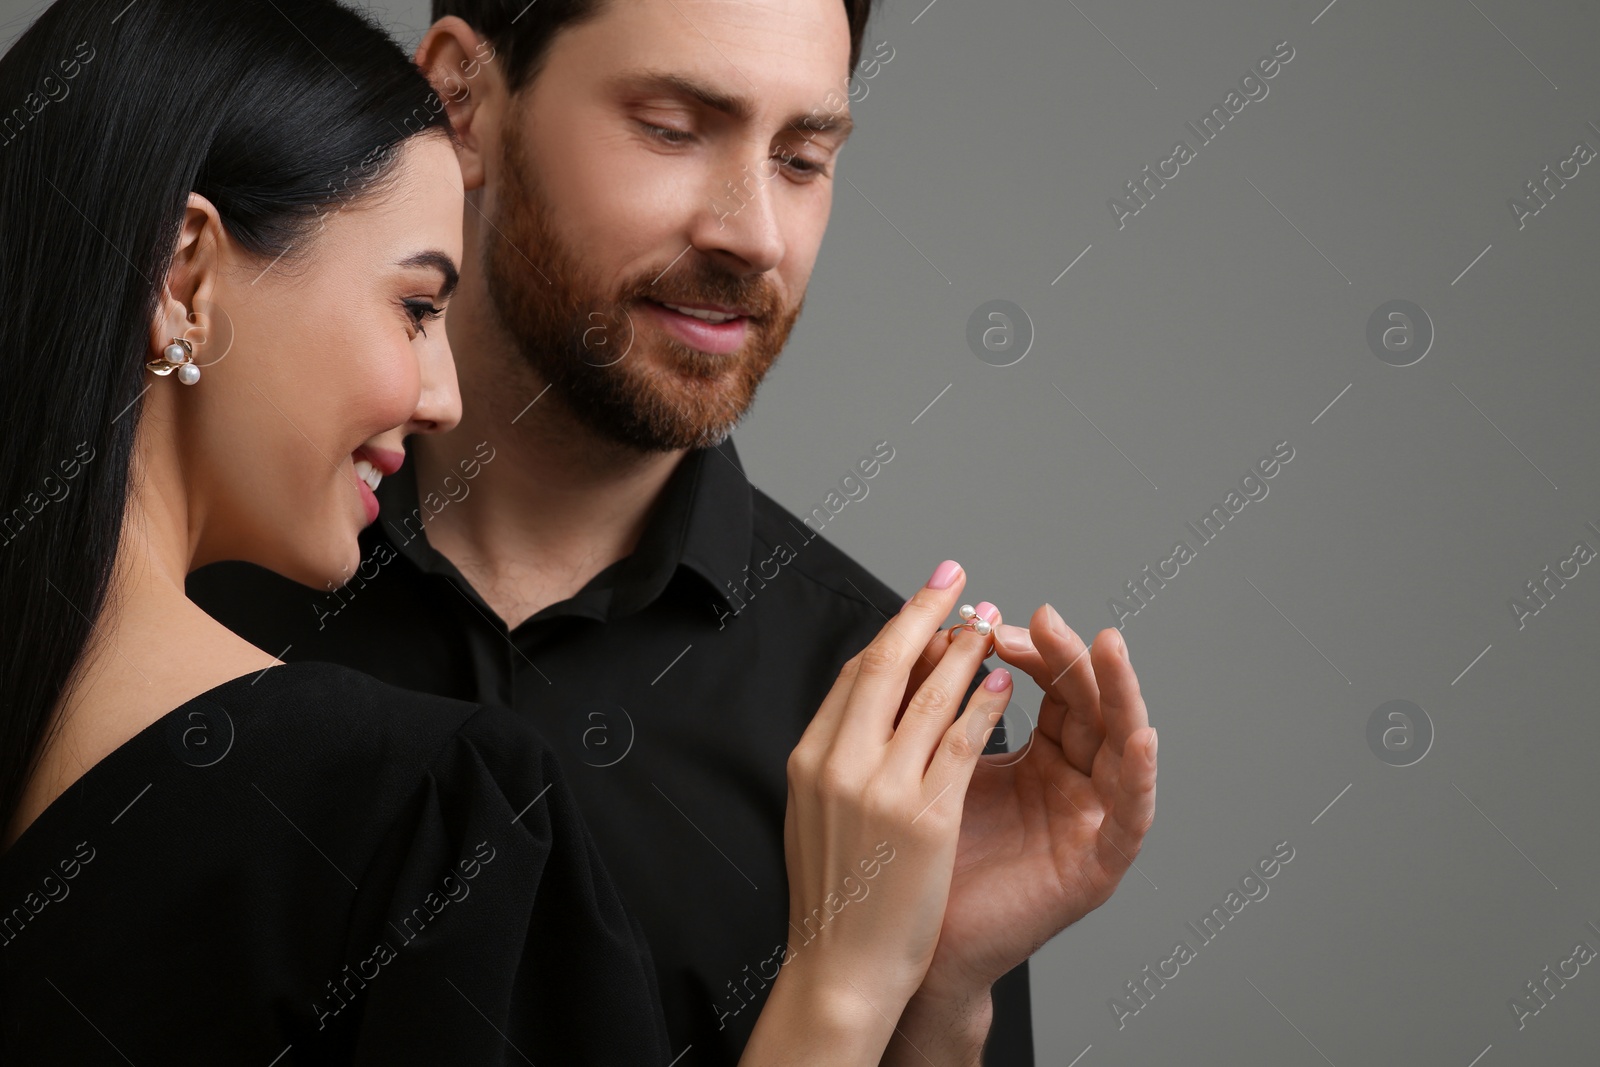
(730, 104)
(438, 260)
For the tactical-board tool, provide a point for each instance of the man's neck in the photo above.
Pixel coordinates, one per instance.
(553, 507)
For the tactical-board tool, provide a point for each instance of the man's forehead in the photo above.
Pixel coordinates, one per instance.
(795, 33)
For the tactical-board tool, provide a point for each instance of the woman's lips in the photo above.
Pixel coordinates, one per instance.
(720, 339)
(369, 502)
(371, 465)
(386, 460)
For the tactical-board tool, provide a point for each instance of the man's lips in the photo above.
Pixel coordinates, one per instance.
(738, 311)
(718, 338)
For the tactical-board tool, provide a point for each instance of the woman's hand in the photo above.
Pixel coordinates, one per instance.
(870, 834)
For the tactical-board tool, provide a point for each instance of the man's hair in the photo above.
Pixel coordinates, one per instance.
(521, 32)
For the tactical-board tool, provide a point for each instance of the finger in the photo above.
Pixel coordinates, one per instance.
(933, 705)
(820, 732)
(1122, 707)
(1014, 645)
(1057, 660)
(947, 776)
(932, 652)
(824, 724)
(1133, 806)
(867, 714)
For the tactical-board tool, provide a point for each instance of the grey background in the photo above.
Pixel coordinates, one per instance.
(1227, 316)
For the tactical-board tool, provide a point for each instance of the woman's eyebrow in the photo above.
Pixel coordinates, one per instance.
(439, 261)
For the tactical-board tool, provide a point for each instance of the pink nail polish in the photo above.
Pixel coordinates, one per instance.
(997, 680)
(944, 574)
(987, 611)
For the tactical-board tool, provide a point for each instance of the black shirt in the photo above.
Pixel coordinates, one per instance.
(674, 685)
(308, 866)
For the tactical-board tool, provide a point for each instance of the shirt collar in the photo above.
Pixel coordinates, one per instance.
(719, 526)
(701, 523)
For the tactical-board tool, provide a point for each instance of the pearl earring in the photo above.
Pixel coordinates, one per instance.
(177, 356)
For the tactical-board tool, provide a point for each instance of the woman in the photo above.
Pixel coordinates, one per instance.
(227, 229)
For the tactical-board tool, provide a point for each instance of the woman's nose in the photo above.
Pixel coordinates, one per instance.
(439, 402)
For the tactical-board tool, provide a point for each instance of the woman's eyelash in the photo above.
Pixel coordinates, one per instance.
(421, 311)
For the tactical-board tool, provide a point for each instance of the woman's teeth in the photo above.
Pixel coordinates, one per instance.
(369, 474)
(699, 313)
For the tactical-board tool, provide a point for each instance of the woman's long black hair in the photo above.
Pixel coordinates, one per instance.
(111, 113)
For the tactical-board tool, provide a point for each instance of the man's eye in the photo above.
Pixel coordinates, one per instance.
(666, 134)
(804, 167)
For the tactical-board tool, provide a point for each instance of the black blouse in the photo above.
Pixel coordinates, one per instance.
(307, 865)
(673, 686)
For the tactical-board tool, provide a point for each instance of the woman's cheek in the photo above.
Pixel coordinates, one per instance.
(389, 390)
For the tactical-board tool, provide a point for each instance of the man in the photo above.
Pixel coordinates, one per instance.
(648, 185)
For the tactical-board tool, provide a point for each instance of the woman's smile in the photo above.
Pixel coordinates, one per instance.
(371, 464)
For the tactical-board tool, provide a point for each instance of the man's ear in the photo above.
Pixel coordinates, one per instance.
(463, 69)
(187, 302)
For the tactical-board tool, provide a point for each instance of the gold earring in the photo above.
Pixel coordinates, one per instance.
(177, 356)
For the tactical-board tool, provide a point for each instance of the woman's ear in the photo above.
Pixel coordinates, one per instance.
(467, 80)
(186, 307)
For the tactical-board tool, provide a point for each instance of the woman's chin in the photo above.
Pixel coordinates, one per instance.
(326, 570)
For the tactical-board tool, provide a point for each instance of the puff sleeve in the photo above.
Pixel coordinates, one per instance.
(486, 930)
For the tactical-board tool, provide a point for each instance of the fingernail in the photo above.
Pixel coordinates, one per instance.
(1011, 636)
(1057, 623)
(987, 611)
(1153, 739)
(997, 680)
(944, 574)
(1122, 644)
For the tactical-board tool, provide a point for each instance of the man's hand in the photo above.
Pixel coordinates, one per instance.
(1047, 833)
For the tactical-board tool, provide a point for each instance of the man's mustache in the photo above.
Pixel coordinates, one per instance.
(758, 299)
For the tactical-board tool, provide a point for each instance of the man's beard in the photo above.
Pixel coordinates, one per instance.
(614, 368)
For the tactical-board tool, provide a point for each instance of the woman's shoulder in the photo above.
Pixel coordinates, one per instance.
(330, 699)
(332, 736)
(329, 720)
(377, 739)
(307, 856)
(322, 735)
